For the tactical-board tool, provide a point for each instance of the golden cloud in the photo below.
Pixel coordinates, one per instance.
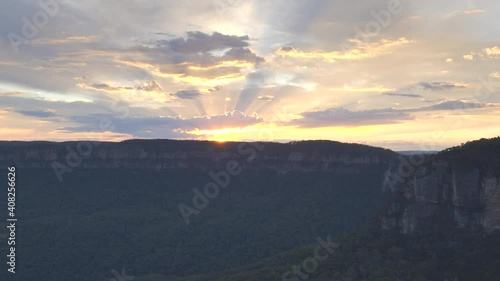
(359, 50)
(493, 51)
(468, 57)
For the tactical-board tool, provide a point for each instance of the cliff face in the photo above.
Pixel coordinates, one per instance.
(458, 186)
(168, 154)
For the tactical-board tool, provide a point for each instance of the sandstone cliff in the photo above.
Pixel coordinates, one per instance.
(170, 154)
(460, 185)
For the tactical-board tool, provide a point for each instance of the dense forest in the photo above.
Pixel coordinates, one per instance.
(265, 225)
(102, 219)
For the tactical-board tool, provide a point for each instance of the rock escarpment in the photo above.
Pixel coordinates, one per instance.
(459, 186)
(170, 154)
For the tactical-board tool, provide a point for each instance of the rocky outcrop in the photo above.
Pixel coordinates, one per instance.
(452, 187)
(491, 197)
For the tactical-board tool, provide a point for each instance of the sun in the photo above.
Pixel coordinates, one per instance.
(221, 141)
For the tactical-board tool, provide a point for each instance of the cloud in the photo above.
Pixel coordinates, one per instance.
(163, 127)
(67, 40)
(188, 73)
(344, 117)
(241, 54)
(453, 105)
(266, 98)
(187, 94)
(83, 117)
(233, 119)
(34, 105)
(12, 94)
(286, 49)
(37, 113)
(215, 89)
(468, 57)
(150, 86)
(493, 51)
(103, 87)
(474, 11)
(440, 86)
(424, 86)
(401, 95)
(197, 42)
(360, 89)
(354, 49)
(465, 12)
(198, 59)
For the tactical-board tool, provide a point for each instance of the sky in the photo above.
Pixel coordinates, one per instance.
(401, 74)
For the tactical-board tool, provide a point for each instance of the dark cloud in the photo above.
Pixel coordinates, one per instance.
(164, 33)
(161, 126)
(286, 49)
(453, 105)
(439, 86)
(242, 54)
(103, 86)
(100, 86)
(120, 118)
(401, 95)
(37, 113)
(215, 89)
(234, 119)
(62, 108)
(344, 117)
(136, 126)
(197, 42)
(200, 55)
(188, 94)
(146, 86)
